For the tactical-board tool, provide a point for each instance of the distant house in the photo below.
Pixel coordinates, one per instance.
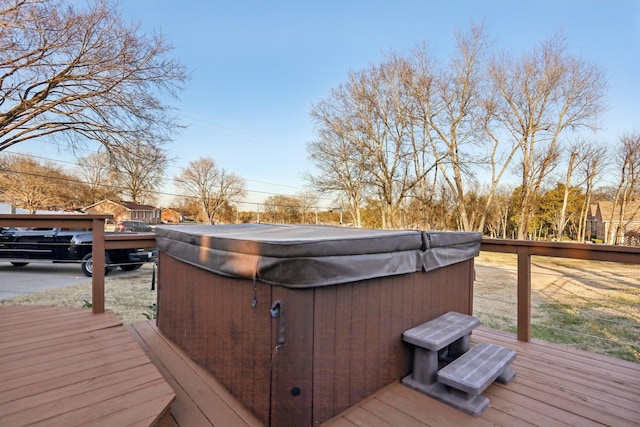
(123, 211)
(592, 223)
(605, 221)
(7, 208)
(169, 216)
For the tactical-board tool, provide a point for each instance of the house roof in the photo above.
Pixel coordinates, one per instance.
(127, 205)
(632, 213)
(138, 207)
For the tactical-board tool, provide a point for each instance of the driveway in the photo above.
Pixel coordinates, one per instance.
(35, 277)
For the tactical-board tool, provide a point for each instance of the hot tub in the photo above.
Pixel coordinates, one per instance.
(301, 322)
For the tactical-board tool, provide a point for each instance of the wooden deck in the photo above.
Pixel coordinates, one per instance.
(554, 386)
(69, 367)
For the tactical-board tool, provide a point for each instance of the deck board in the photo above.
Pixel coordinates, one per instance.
(90, 370)
(200, 399)
(63, 366)
(555, 386)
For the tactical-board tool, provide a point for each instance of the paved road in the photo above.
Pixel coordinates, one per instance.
(40, 276)
(35, 277)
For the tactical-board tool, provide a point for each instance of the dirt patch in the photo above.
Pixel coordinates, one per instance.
(558, 280)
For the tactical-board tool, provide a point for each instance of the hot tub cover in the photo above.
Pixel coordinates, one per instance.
(442, 248)
(303, 256)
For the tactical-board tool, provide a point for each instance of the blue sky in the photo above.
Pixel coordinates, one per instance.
(257, 67)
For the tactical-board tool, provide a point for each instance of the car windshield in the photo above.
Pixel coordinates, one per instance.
(133, 226)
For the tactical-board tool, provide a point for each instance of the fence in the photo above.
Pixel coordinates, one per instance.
(622, 290)
(100, 241)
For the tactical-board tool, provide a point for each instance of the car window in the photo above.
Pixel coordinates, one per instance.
(136, 226)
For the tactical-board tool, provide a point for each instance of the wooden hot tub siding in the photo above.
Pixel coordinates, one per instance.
(342, 342)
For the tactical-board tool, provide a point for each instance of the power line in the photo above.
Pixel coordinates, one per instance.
(236, 132)
(68, 179)
(164, 193)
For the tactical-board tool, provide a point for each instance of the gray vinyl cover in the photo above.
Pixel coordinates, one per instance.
(301, 256)
(442, 248)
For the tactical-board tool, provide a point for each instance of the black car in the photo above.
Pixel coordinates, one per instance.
(20, 246)
(133, 227)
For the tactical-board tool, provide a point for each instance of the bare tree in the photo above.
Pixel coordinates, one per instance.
(391, 141)
(370, 145)
(582, 157)
(82, 73)
(215, 188)
(384, 132)
(189, 207)
(497, 221)
(282, 209)
(592, 167)
(138, 170)
(34, 185)
(309, 204)
(628, 191)
(449, 107)
(94, 170)
(337, 154)
(540, 97)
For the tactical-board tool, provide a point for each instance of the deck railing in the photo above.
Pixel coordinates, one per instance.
(100, 241)
(524, 249)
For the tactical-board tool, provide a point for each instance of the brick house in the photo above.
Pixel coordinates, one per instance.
(123, 211)
(170, 216)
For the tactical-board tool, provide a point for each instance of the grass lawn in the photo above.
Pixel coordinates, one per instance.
(127, 294)
(590, 305)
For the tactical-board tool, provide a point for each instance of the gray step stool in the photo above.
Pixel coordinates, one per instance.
(460, 383)
(470, 374)
(447, 334)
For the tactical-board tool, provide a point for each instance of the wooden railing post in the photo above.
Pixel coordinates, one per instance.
(97, 278)
(524, 294)
(100, 242)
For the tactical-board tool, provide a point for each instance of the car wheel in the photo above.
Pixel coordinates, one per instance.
(130, 267)
(87, 265)
(19, 264)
